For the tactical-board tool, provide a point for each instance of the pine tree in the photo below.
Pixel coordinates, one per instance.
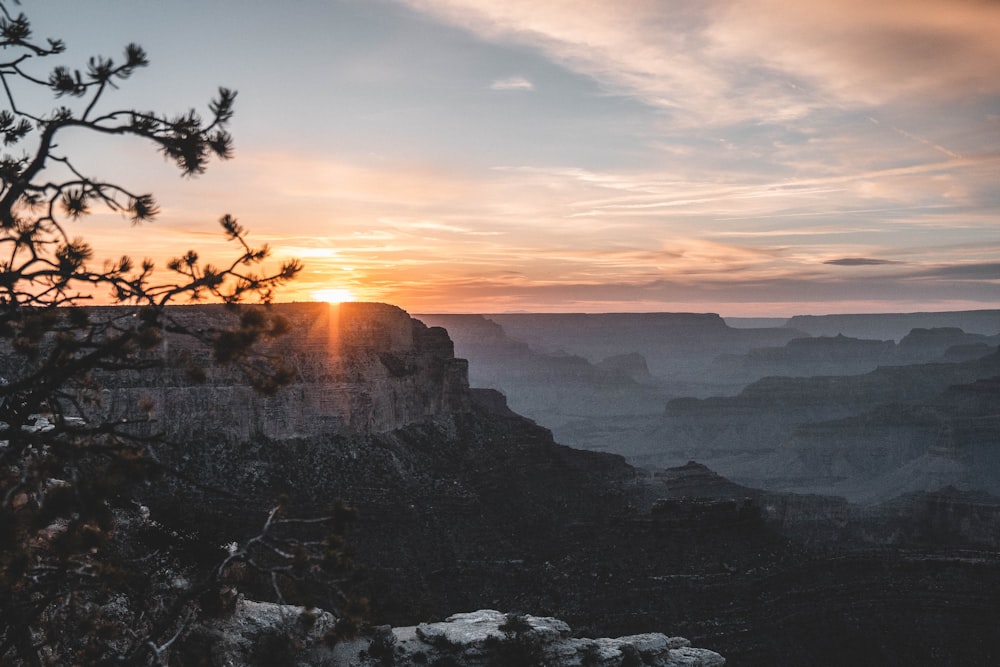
(77, 585)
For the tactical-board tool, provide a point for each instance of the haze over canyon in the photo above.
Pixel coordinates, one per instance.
(783, 495)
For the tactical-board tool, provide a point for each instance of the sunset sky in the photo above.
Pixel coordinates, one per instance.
(752, 157)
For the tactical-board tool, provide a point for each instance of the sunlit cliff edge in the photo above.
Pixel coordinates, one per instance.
(359, 368)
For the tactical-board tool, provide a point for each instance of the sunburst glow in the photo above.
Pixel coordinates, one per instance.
(333, 295)
(742, 157)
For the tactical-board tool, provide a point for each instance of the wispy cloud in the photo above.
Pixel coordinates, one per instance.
(584, 154)
(769, 60)
(512, 83)
(778, 295)
(859, 261)
(416, 234)
(989, 271)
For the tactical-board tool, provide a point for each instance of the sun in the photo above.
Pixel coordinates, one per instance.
(333, 295)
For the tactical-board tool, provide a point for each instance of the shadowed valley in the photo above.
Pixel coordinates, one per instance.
(464, 504)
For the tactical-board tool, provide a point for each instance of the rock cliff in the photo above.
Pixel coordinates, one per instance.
(359, 368)
(553, 388)
(676, 348)
(599, 381)
(867, 437)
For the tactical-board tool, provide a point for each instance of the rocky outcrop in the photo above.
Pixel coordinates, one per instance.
(551, 387)
(923, 345)
(490, 638)
(598, 381)
(258, 634)
(631, 364)
(822, 434)
(265, 634)
(358, 368)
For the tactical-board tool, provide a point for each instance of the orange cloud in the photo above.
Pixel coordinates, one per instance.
(557, 238)
(870, 52)
(723, 62)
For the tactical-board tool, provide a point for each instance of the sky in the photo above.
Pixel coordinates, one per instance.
(749, 158)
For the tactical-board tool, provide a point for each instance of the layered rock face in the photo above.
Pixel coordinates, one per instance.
(359, 368)
(866, 419)
(599, 381)
(553, 388)
(866, 437)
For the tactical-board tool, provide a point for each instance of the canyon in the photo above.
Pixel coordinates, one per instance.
(464, 504)
(774, 407)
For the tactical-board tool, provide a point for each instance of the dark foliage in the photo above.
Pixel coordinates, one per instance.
(520, 647)
(86, 577)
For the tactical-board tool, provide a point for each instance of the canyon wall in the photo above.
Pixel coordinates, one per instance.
(463, 504)
(358, 368)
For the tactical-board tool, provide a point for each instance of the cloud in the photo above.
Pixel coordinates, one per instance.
(512, 83)
(859, 261)
(729, 295)
(870, 52)
(431, 238)
(988, 271)
(771, 60)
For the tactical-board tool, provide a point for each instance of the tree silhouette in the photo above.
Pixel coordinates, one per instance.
(83, 579)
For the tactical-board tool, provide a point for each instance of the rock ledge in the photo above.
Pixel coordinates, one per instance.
(263, 633)
(489, 638)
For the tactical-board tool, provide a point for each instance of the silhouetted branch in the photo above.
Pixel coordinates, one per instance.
(69, 464)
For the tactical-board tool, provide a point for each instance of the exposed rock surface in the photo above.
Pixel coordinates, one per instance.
(264, 634)
(490, 638)
(259, 634)
(846, 435)
(358, 368)
(551, 387)
(599, 380)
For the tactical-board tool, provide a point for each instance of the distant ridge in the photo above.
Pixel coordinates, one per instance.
(896, 325)
(673, 344)
(755, 322)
